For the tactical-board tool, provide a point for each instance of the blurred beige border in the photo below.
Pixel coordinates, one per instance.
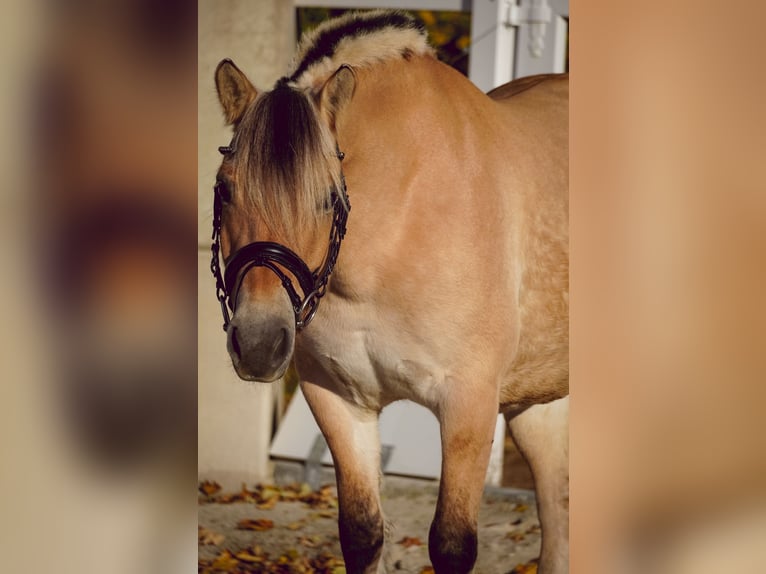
(668, 275)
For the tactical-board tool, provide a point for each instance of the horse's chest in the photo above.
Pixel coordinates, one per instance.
(368, 366)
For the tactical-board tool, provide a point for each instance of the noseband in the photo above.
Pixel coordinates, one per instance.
(276, 257)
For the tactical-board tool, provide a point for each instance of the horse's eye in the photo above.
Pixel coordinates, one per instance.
(222, 190)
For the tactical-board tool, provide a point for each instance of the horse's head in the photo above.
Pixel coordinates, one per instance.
(279, 196)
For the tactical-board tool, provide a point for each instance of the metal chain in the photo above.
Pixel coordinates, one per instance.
(215, 267)
(342, 207)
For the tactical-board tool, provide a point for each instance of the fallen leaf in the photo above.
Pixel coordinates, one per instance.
(209, 487)
(288, 493)
(206, 536)
(244, 495)
(296, 525)
(248, 556)
(305, 490)
(520, 508)
(269, 504)
(309, 541)
(225, 561)
(427, 570)
(268, 497)
(516, 536)
(259, 524)
(409, 541)
(529, 568)
(254, 559)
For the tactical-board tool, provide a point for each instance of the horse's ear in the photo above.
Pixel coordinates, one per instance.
(337, 92)
(235, 91)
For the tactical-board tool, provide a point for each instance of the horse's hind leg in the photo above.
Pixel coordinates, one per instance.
(352, 435)
(542, 435)
(467, 417)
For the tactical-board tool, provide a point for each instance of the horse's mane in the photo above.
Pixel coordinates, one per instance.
(357, 39)
(288, 159)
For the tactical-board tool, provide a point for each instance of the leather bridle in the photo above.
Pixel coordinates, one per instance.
(277, 258)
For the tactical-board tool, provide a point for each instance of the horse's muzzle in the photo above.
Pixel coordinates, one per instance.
(260, 350)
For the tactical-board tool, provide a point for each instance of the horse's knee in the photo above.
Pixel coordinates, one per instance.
(452, 546)
(361, 535)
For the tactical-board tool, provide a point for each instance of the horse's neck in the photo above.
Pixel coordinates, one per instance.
(422, 170)
(412, 115)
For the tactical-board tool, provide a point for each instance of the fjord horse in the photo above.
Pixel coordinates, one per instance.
(451, 286)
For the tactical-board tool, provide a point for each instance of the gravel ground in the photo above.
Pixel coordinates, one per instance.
(509, 534)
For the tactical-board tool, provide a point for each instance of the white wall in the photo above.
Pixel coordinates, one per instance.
(234, 416)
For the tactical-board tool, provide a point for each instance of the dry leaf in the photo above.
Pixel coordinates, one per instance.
(258, 524)
(296, 525)
(520, 508)
(254, 559)
(309, 541)
(209, 487)
(225, 561)
(249, 556)
(266, 496)
(269, 504)
(427, 570)
(409, 541)
(206, 536)
(305, 490)
(516, 536)
(269, 492)
(529, 568)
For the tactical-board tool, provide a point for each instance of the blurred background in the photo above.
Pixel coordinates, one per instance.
(99, 354)
(99, 227)
(667, 213)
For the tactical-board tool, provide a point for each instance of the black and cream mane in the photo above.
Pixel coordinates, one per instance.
(358, 39)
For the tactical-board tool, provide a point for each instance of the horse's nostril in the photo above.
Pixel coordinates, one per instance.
(279, 350)
(234, 343)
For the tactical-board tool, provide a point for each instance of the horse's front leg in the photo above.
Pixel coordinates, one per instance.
(467, 417)
(352, 435)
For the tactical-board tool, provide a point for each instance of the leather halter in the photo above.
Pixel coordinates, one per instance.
(273, 256)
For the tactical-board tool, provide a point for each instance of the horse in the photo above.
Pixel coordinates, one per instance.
(444, 279)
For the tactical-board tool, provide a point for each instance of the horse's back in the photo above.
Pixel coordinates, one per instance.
(554, 83)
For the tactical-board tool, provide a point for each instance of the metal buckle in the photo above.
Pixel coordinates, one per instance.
(302, 319)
